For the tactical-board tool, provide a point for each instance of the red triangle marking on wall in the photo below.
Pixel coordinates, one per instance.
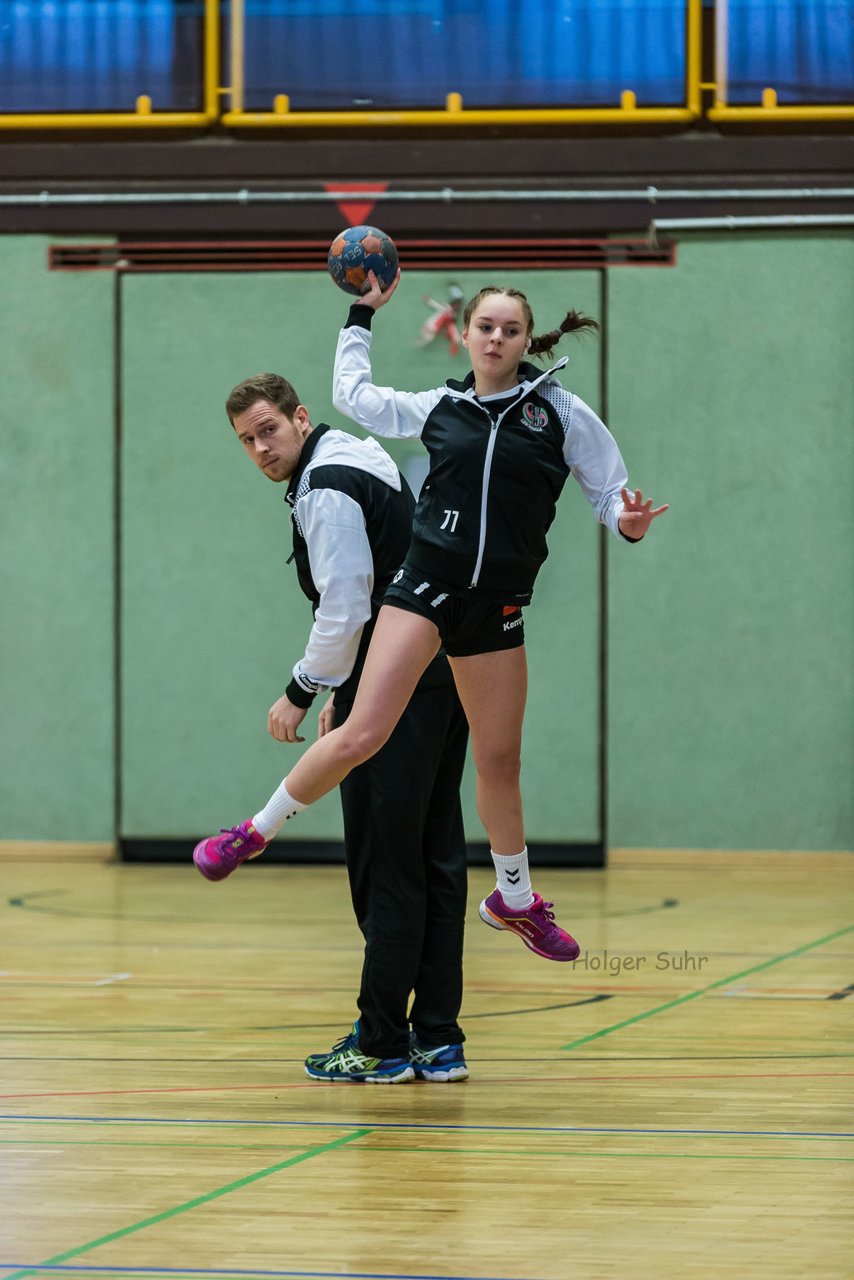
(356, 211)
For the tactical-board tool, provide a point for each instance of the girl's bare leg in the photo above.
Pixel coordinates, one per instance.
(402, 646)
(493, 688)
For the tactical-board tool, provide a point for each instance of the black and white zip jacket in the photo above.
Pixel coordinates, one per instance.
(497, 467)
(351, 515)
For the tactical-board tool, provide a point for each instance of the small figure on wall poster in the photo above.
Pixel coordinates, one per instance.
(443, 320)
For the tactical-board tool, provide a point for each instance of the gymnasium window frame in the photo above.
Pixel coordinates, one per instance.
(455, 114)
(768, 109)
(145, 114)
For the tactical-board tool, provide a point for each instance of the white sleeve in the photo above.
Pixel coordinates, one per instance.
(596, 462)
(381, 410)
(342, 567)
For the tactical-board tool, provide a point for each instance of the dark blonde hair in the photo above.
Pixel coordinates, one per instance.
(271, 387)
(573, 321)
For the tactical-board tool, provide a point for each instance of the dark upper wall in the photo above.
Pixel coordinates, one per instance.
(491, 161)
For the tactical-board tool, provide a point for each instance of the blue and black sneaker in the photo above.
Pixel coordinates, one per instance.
(347, 1062)
(442, 1063)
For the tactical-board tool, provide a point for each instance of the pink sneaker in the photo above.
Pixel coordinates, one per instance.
(219, 855)
(535, 925)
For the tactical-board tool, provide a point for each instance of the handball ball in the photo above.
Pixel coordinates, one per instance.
(357, 251)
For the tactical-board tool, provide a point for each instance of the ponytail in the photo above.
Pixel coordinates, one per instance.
(573, 322)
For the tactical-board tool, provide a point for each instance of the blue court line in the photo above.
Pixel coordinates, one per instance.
(441, 1128)
(238, 1272)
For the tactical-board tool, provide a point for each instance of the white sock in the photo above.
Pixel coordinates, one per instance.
(513, 879)
(276, 812)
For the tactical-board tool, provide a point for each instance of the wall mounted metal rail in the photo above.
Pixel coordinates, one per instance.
(759, 223)
(444, 195)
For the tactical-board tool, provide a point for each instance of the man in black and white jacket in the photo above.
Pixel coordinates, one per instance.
(403, 831)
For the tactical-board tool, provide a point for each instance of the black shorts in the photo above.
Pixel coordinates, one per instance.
(468, 624)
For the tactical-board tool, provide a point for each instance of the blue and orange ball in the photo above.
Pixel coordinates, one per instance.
(358, 250)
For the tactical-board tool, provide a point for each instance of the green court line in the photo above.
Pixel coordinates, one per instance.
(712, 986)
(191, 1204)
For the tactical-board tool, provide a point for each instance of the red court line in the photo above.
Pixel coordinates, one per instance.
(308, 1084)
(806, 992)
(205, 1088)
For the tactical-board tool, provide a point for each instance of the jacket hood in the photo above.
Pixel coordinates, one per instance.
(339, 448)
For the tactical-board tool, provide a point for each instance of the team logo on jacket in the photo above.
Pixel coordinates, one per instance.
(537, 419)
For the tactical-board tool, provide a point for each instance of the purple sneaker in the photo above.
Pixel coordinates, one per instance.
(219, 855)
(535, 925)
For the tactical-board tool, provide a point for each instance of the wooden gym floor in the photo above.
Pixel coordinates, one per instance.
(671, 1105)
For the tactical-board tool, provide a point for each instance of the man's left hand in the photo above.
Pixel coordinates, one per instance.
(326, 719)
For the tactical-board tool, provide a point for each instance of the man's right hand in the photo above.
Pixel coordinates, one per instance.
(284, 719)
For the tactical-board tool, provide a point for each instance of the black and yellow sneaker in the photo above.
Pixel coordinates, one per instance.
(347, 1062)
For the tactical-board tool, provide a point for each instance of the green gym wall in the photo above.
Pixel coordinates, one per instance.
(149, 617)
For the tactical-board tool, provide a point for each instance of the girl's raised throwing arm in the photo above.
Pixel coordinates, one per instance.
(380, 410)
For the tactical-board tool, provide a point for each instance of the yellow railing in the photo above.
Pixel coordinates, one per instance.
(769, 112)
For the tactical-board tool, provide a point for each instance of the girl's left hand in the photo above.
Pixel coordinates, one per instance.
(637, 515)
